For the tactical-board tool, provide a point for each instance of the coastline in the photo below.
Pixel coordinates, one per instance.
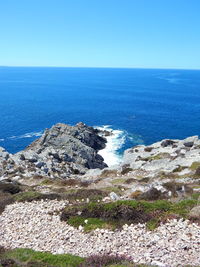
(151, 197)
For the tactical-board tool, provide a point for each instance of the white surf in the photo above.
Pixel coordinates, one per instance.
(115, 141)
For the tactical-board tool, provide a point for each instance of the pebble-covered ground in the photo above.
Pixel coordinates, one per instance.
(37, 225)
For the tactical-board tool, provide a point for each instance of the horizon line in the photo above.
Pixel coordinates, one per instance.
(84, 67)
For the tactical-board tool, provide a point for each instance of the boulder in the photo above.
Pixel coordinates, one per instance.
(40, 164)
(167, 142)
(114, 196)
(188, 144)
(195, 213)
(152, 194)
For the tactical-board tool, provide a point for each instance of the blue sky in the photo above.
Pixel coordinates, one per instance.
(100, 33)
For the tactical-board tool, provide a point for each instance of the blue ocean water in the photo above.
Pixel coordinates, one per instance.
(147, 105)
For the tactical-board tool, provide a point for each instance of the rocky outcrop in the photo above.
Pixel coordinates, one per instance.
(63, 136)
(62, 150)
(6, 162)
(166, 155)
(170, 166)
(163, 170)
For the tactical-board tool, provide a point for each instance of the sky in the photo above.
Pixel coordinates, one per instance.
(100, 33)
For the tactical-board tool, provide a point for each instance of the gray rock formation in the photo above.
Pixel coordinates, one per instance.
(166, 155)
(61, 151)
(165, 169)
(63, 143)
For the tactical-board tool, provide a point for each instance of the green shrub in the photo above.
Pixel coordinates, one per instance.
(34, 195)
(92, 194)
(118, 181)
(9, 188)
(152, 224)
(158, 156)
(90, 224)
(195, 196)
(126, 170)
(179, 168)
(47, 181)
(25, 256)
(27, 196)
(195, 165)
(183, 207)
(4, 201)
(115, 214)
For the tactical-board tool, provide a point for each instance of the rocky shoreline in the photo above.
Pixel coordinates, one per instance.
(147, 207)
(62, 151)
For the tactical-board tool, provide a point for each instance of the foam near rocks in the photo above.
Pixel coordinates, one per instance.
(37, 225)
(115, 141)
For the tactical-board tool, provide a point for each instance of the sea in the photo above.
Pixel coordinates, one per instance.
(139, 106)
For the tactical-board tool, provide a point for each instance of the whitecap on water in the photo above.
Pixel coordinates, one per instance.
(115, 141)
(27, 135)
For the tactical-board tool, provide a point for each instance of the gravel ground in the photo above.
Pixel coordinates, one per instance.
(29, 225)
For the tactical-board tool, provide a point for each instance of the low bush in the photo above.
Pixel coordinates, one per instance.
(130, 180)
(118, 181)
(179, 168)
(88, 224)
(9, 188)
(116, 189)
(135, 194)
(4, 201)
(158, 156)
(34, 195)
(92, 194)
(115, 214)
(29, 258)
(195, 165)
(108, 173)
(126, 170)
(197, 172)
(151, 194)
(107, 260)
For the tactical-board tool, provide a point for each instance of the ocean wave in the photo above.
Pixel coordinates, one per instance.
(2, 139)
(27, 135)
(114, 143)
(172, 78)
